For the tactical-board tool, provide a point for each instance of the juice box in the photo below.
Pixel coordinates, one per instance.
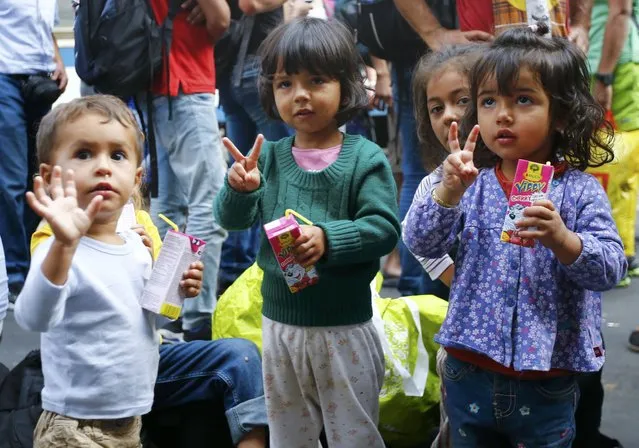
(162, 293)
(282, 233)
(531, 183)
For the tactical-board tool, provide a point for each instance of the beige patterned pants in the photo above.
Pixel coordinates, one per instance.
(57, 431)
(322, 377)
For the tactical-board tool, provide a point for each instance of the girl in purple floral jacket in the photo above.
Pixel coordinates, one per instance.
(522, 322)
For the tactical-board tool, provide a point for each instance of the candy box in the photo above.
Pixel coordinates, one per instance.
(282, 234)
(162, 293)
(531, 183)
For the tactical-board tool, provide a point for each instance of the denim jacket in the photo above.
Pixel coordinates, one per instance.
(520, 306)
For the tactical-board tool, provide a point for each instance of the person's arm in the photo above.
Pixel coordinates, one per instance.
(580, 12)
(40, 305)
(252, 7)
(60, 74)
(423, 21)
(218, 16)
(601, 263)
(619, 16)
(615, 35)
(375, 229)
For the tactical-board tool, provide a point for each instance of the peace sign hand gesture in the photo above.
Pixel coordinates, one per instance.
(459, 169)
(244, 175)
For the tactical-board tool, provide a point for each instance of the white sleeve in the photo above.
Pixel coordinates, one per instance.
(434, 267)
(40, 305)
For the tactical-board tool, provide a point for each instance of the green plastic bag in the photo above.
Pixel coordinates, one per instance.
(410, 395)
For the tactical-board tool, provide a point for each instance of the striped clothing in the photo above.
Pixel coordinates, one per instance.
(433, 266)
(506, 15)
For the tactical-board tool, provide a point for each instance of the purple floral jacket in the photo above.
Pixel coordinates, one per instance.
(520, 306)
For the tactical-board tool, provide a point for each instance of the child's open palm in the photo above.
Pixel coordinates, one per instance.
(459, 169)
(244, 175)
(68, 221)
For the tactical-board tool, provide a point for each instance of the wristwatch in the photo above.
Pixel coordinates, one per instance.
(605, 78)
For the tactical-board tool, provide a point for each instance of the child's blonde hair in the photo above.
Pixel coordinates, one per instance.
(107, 106)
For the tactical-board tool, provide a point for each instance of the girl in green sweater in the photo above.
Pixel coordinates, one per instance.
(323, 362)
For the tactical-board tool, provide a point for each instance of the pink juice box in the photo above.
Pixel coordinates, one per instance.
(531, 183)
(282, 234)
(162, 293)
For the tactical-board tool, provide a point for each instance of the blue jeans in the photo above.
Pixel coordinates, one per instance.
(191, 169)
(413, 279)
(18, 125)
(245, 118)
(228, 370)
(487, 409)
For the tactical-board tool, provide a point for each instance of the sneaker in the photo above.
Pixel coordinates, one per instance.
(633, 341)
(624, 283)
(633, 267)
(202, 333)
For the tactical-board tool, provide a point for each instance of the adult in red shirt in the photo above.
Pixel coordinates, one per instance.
(191, 164)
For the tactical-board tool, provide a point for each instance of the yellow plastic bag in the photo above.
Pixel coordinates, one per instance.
(238, 313)
(410, 395)
(405, 420)
(620, 179)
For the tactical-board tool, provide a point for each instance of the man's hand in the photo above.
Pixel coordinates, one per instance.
(60, 75)
(244, 175)
(310, 246)
(191, 283)
(579, 36)
(68, 221)
(441, 37)
(196, 15)
(603, 95)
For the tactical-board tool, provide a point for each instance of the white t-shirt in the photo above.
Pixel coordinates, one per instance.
(99, 347)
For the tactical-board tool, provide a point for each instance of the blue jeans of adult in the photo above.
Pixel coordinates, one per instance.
(245, 119)
(191, 169)
(230, 369)
(488, 409)
(18, 125)
(413, 280)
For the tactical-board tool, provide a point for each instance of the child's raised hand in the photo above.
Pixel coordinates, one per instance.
(191, 283)
(244, 175)
(68, 221)
(310, 246)
(543, 222)
(459, 168)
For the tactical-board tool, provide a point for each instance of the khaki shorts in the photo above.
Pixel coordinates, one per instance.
(57, 431)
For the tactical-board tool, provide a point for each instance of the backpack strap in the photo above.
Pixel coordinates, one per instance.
(167, 38)
(247, 30)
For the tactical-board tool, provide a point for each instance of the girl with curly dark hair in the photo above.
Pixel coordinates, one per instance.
(522, 322)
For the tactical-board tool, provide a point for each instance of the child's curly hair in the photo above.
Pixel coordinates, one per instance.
(586, 138)
(460, 58)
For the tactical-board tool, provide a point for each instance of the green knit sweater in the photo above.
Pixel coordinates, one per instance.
(354, 201)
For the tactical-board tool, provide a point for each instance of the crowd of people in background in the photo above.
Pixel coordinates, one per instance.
(306, 89)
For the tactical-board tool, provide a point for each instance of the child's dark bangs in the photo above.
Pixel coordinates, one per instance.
(504, 65)
(308, 48)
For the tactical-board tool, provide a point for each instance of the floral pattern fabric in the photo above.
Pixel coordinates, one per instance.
(520, 306)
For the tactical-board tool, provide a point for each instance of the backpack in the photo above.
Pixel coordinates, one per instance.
(380, 27)
(20, 402)
(119, 45)
(119, 49)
